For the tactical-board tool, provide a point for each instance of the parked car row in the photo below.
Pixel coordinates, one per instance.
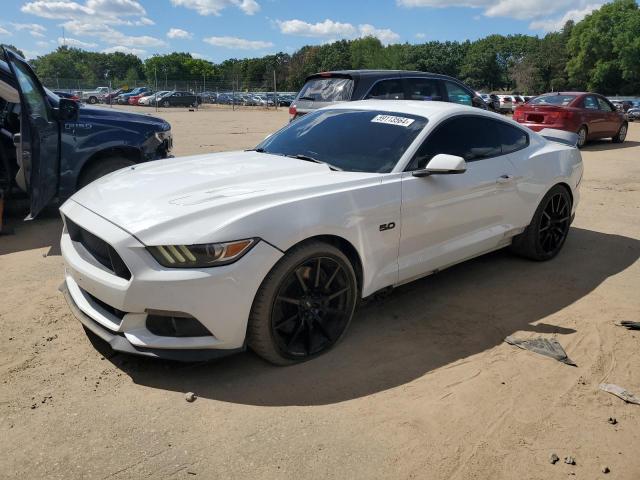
(268, 99)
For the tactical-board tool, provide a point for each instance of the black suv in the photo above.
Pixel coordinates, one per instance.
(325, 88)
(176, 99)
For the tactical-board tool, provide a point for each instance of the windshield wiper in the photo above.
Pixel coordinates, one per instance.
(259, 150)
(301, 156)
(307, 98)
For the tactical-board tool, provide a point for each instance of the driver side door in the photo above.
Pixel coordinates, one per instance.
(450, 218)
(39, 135)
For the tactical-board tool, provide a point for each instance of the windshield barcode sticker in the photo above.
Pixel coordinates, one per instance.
(393, 120)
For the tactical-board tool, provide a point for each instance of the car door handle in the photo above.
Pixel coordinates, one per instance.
(505, 178)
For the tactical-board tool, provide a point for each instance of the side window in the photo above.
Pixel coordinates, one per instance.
(457, 94)
(604, 106)
(387, 90)
(36, 103)
(423, 89)
(512, 138)
(591, 103)
(472, 138)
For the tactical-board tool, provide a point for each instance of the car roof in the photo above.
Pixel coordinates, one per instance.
(371, 73)
(567, 93)
(414, 107)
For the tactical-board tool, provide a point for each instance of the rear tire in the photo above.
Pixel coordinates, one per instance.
(101, 168)
(304, 305)
(621, 135)
(166, 103)
(582, 136)
(544, 237)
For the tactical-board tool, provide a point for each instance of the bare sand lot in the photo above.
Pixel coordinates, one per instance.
(422, 386)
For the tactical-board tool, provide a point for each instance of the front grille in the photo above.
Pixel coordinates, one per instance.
(99, 249)
(108, 308)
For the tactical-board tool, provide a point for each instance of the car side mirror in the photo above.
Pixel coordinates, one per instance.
(68, 110)
(443, 164)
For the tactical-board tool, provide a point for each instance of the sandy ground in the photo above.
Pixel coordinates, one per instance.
(421, 387)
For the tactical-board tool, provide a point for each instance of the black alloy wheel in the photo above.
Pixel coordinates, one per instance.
(312, 308)
(554, 223)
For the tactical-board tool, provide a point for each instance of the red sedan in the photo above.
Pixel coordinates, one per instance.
(134, 100)
(589, 115)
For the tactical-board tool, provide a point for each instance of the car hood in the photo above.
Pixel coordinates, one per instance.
(161, 202)
(119, 117)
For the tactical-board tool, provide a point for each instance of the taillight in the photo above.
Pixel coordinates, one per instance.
(293, 111)
(567, 114)
(518, 115)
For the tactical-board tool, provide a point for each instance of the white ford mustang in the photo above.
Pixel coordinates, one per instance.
(271, 248)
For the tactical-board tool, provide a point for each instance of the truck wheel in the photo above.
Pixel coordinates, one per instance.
(102, 167)
(93, 100)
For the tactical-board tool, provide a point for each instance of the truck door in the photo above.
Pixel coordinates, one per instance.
(39, 135)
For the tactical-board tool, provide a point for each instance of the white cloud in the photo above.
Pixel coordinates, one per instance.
(95, 18)
(518, 9)
(214, 7)
(74, 42)
(237, 43)
(420, 36)
(553, 24)
(385, 35)
(110, 35)
(199, 56)
(43, 44)
(122, 49)
(328, 28)
(331, 30)
(4, 32)
(178, 33)
(35, 29)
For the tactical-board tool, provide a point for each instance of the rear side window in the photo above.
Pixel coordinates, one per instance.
(457, 94)
(590, 103)
(423, 89)
(387, 90)
(472, 138)
(512, 138)
(604, 106)
(330, 89)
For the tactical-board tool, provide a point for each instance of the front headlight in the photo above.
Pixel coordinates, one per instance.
(161, 136)
(203, 255)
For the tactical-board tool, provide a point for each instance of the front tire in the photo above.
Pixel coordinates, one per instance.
(101, 168)
(621, 135)
(166, 103)
(304, 305)
(544, 237)
(93, 100)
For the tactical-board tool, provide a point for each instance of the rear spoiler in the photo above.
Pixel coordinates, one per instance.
(560, 136)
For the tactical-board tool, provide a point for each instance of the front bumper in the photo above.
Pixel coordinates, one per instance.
(116, 308)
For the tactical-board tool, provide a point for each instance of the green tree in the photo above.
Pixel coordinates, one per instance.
(604, 49)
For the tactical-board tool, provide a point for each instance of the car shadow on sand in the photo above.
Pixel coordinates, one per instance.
(20, 235)
(419, 327)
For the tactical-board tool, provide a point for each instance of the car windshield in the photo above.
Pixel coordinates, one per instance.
(561, 100)
(360, 140)
(330, 89)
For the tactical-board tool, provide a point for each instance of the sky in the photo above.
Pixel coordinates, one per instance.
(220, 29)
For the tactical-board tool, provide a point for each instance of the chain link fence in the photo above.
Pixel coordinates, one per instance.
(229, 91)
